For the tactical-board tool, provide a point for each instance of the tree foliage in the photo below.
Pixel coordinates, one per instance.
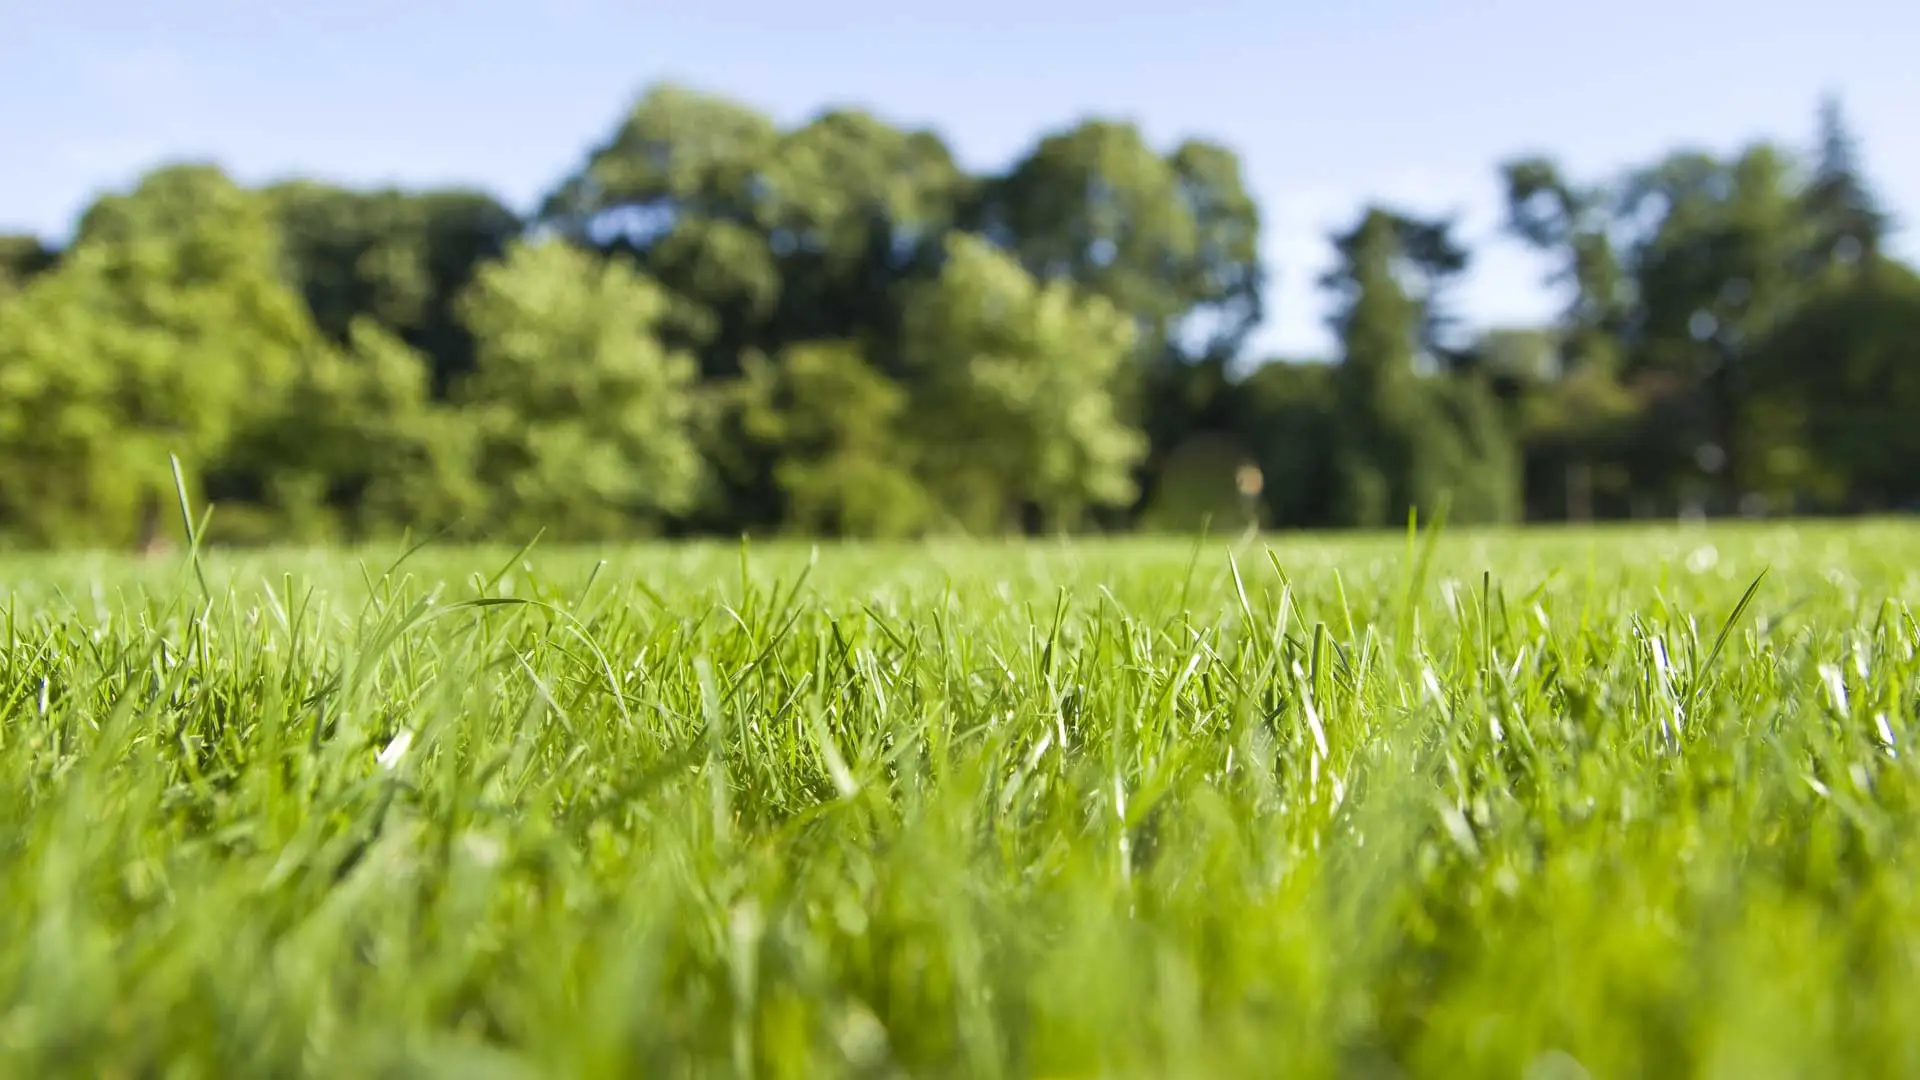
(845, 461)
(358, 446)
(582, 416)
(719, 323)
(22, 258)
(165, 329)
(1408, 441)
(398, 258)
(1836, 388)
(1015, 392)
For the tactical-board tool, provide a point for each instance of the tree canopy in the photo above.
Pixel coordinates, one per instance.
(718, 323)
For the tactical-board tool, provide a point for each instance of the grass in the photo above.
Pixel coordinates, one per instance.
(1542, 804)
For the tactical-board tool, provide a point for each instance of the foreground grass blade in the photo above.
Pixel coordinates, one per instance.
(1091, 809)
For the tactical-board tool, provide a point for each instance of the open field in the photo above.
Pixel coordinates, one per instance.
(1519, 804)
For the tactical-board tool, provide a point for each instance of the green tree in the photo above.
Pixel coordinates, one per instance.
(1572, 415)
(836, 429)
(1574, 225)
(583, 417)
(22, 258)
(1836, 388)
(1225, 279)
(766, 240)
(857, 209)
(1377, 389)
(1186, 401)
(399, 258)
(1170, 240)
(164, 329)
(1289, 417)
(1013, 383)
(1572, 422)
(359, 449)
(1715, 270)
(1714, 273)
(1423, 261)
(1096, 206)
(1849, 225)
(1407, 440)
(684, 187)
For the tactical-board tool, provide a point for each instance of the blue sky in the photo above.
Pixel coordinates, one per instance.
(1329, 104)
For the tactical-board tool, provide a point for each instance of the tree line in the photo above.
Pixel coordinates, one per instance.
(715, 325)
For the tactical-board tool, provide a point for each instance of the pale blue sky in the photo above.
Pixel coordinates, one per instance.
(1329, 103)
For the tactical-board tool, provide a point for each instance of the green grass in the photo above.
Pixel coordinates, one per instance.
(1519, 804)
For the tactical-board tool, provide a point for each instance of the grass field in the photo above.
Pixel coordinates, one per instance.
(1526, 804)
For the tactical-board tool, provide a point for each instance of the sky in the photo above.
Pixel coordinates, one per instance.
(1331, 104)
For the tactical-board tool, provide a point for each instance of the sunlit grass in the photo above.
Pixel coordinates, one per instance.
(1545, 804)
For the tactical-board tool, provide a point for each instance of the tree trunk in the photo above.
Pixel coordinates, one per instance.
(153, 542)
(1579, 492)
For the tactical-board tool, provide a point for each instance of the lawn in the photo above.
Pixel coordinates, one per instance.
(1543, 804)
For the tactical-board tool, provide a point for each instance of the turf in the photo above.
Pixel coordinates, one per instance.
(1615, 803)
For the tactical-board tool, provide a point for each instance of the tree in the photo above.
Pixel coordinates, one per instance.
(1224, 282)
(22, 258)
(1378, 396)
(1848, 223)
(684, 188)
(1289, 417)
(1574, 225)
(1096, 206)
(165, 329)
(767, 240)
(1013, 384)
(583, 418)
(857, 209)
(1173, 241)
(360, 449)
(1714, 273)
(1186, 401)
(1408, 441)
(1715, 268)
(1571, 416)
(844, 462)
(1835, 389)
(399, 258)
(1423, 261)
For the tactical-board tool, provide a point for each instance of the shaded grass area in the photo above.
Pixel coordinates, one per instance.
(1526, 803)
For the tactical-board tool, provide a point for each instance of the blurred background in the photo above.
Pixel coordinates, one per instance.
(857, 268)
